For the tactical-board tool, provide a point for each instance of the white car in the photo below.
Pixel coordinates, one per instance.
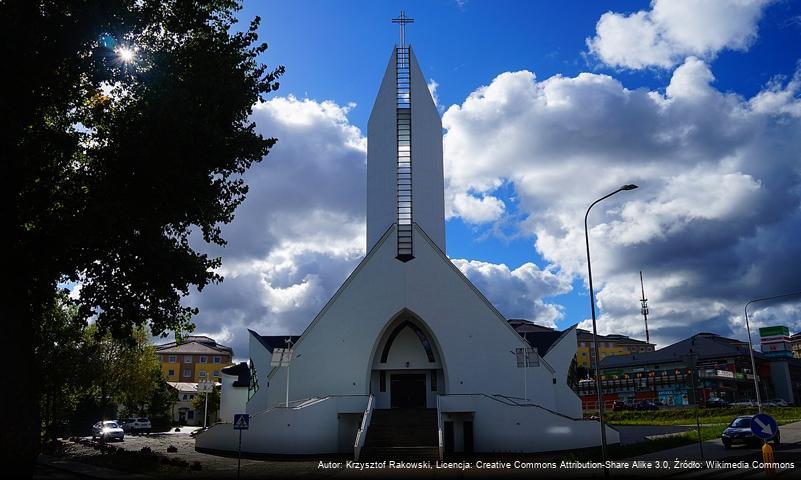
(777, 402)
(107, 430)
(136, 425)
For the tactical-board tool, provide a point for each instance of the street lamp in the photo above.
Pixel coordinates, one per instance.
(594, 328)
(751, 344)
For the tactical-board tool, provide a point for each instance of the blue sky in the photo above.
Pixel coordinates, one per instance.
(546, 106)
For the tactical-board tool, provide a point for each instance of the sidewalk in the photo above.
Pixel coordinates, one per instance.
(86, 470)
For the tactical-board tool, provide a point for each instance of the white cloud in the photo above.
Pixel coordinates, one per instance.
(674, 29)
(301, 229)
(518, 293)
(476, 209)
(714, 222)
(432, 88)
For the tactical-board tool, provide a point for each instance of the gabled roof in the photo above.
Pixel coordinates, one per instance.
(188, 348)
(271, 342)
(705, 345)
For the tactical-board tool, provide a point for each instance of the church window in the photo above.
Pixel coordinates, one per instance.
(171, 359)
(171, 372)
(203, 373)
(254, 381)
(216, 359)
(188, 359)
(203, 359)
(433, 380)
(382, 381)
(187, 373)
(404, 153)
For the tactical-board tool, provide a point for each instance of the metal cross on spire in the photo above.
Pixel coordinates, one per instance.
(402, 20)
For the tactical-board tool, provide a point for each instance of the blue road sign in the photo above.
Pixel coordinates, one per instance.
(764, 426)
(241, 421)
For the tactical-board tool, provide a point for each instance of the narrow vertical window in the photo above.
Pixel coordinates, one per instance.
(404, 153)
(433, 380)
(382, 381)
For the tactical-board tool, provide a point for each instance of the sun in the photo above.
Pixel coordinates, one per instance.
(126, 54)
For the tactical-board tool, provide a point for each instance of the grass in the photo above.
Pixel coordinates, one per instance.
(686, 416)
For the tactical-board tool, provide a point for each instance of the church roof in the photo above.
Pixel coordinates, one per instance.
(271, 342)
(242, 371)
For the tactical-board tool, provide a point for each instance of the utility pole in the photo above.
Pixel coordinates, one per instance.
(644, 309)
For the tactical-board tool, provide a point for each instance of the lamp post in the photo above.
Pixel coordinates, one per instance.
(596, 357)
(751, 344)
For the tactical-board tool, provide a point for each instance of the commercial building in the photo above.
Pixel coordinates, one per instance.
(193, 359)
(722, 368)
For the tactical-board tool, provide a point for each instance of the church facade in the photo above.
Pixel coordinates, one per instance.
(408, 357)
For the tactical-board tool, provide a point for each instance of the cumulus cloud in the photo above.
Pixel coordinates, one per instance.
(714, 223)
(518, 293)
(300, 231)
(674, 29)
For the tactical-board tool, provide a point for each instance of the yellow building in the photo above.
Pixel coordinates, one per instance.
(194, 359)
(608, 345)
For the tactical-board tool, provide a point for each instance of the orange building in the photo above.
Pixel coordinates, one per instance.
(193, 359)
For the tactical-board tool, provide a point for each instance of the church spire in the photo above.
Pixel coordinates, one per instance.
(404, 134)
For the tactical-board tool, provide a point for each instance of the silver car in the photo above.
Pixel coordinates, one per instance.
(107, 430)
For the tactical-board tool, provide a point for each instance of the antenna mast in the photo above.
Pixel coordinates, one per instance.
(644, 309)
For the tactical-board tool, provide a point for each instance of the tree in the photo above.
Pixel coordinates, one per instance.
(199, 404)
(125, 132)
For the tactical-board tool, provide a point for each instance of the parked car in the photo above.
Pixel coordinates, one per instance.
(776, 402)
(107, 430)
(713, 402)
(618, 406)
(646, 405)
(136, 425)
(739, 433)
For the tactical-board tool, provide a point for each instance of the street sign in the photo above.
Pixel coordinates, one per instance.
(764, 426)
(205, 386)
(241, 421)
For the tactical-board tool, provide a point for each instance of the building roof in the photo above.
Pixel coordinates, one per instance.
(240, 370)
(705, 345)
(586, 335)
(520, 325)
(538, 336)
(271, 342)
(195, 344)
(187, 387)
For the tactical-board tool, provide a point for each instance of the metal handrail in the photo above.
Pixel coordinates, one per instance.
(439, 430)
(361, 435)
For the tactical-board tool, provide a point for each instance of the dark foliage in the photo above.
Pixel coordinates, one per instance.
(112, 161)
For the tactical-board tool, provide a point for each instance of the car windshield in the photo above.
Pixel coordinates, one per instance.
(110, 424)
(742, 422)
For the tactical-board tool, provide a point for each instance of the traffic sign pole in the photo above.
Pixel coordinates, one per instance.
(241, 422)
(239, 456)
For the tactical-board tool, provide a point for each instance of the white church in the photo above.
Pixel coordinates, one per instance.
(408, 358)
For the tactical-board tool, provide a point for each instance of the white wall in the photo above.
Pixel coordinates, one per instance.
(382, 158)
(312, 429)
(232, 399)
(498, 427)
(428, 184)
(335, 354)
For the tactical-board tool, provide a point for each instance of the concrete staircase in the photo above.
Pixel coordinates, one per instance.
(402, 434)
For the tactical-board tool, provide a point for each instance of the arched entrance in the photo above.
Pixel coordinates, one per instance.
(407, 369)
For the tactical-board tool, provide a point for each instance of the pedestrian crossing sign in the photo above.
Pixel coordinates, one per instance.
(241, 421)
